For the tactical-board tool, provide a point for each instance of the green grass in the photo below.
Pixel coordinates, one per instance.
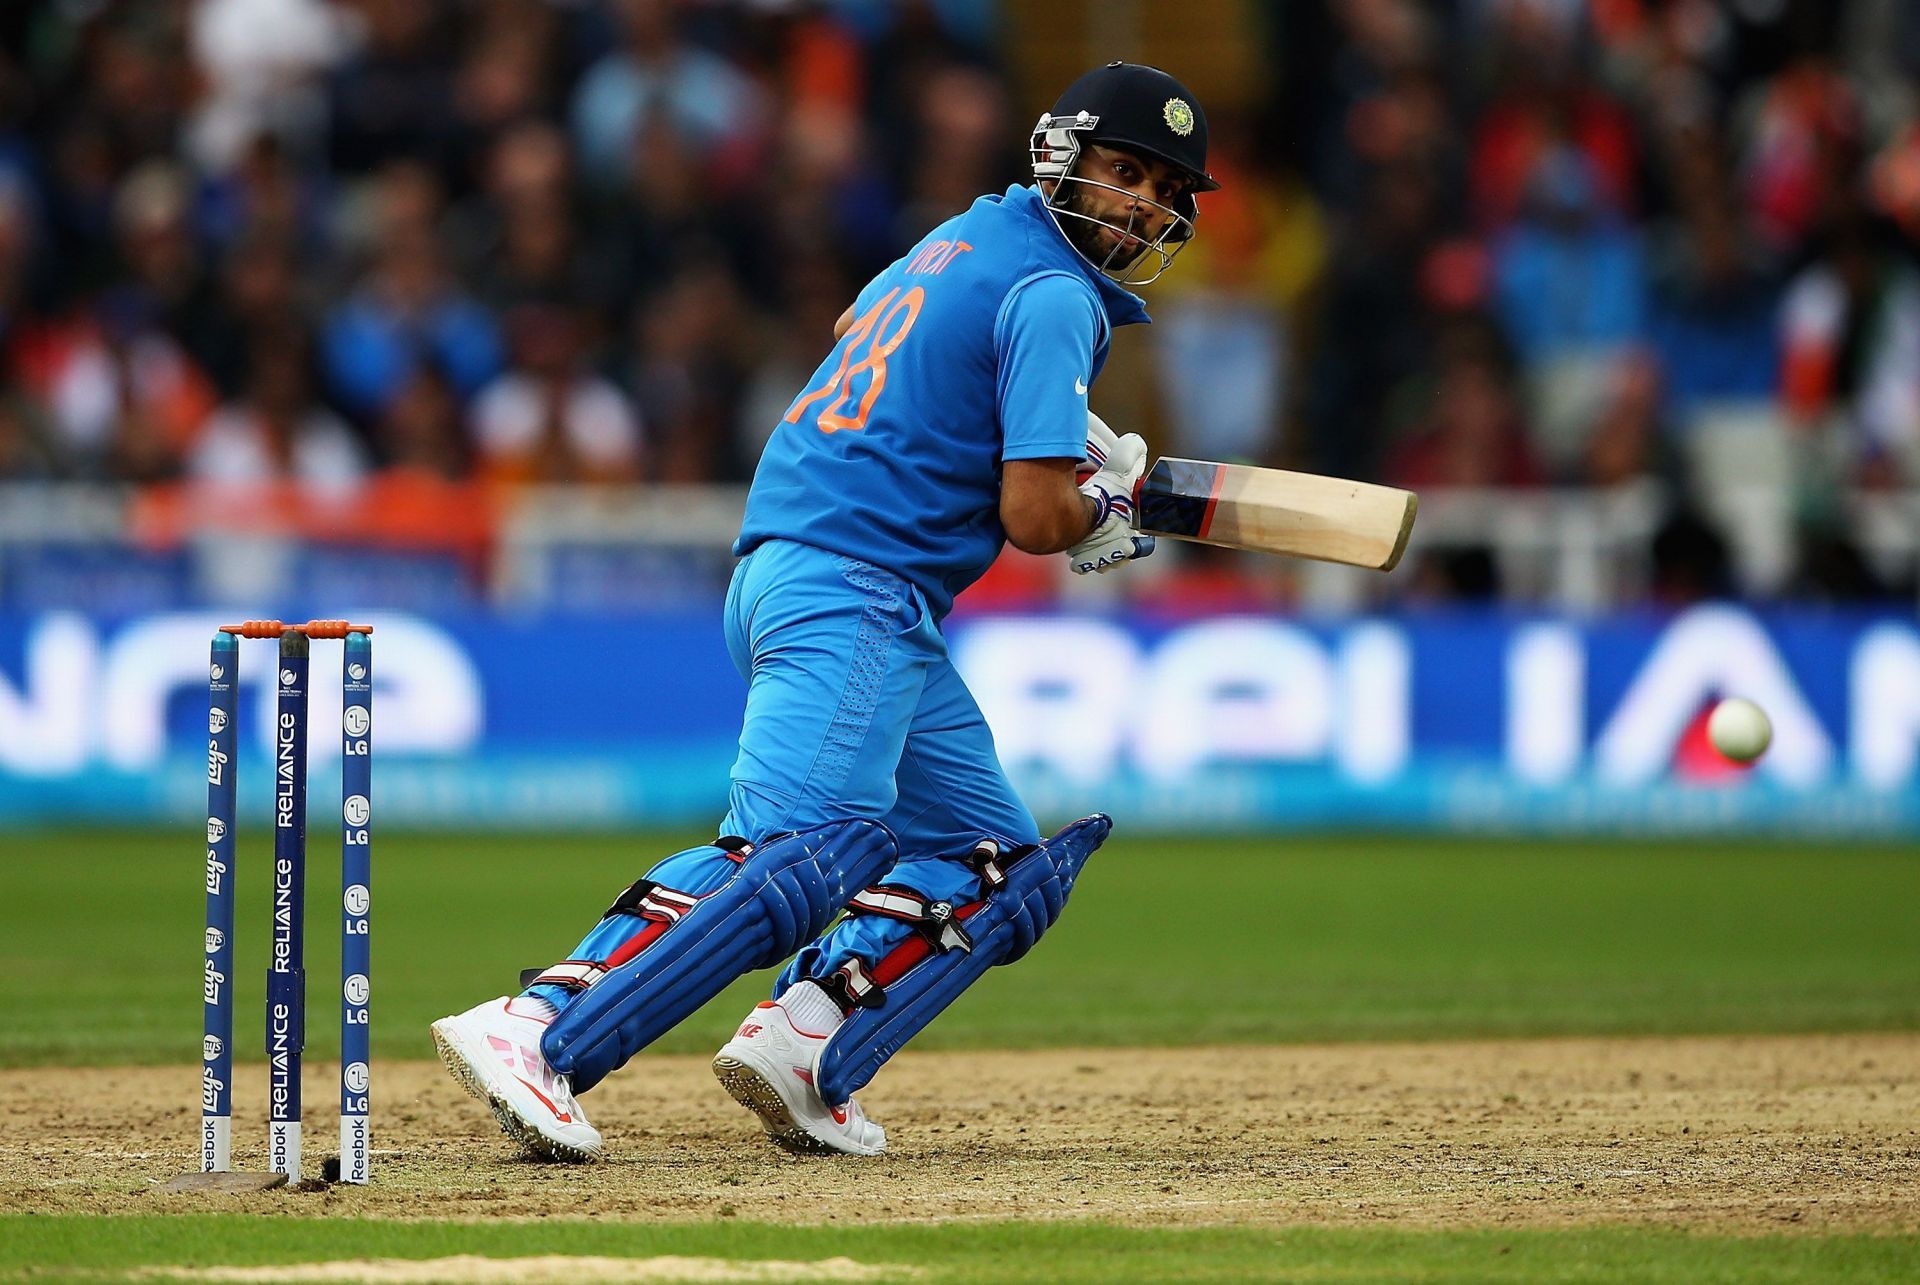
(1166, 942)
(54, 1246)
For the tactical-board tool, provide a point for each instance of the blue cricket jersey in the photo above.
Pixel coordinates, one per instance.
(976, 347)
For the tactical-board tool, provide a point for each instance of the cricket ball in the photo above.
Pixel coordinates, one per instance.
(1739, 729)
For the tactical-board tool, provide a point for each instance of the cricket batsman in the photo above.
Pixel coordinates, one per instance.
(950, 416)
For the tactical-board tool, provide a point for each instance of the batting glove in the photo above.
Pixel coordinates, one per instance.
(1118, 462)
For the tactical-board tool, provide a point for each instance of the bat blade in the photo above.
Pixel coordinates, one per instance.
(1303, 515)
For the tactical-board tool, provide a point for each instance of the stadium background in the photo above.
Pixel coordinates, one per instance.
(474, 314)
(468, 316)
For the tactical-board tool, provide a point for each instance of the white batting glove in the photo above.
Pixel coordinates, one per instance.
(1102, 442)
(1118, 462)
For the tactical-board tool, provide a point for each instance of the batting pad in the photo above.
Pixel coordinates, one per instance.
(999, 928)
(779, 897)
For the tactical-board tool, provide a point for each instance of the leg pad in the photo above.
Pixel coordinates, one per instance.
(892, 998)
(768, 902)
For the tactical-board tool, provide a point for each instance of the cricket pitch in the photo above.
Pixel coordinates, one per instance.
(1774, 1133)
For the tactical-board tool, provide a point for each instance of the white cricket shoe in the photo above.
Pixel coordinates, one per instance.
(768, 1067)
(494, 1051)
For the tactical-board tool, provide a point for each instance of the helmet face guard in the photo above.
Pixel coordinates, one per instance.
(1057, 145)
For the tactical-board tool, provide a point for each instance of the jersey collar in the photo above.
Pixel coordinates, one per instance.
(1124, 308)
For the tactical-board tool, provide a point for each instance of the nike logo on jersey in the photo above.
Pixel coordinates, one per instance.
(1079, 386)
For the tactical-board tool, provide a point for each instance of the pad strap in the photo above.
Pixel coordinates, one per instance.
(989, 861)
(851, 986)
(568, 974)
(648, 900)
(934, 920)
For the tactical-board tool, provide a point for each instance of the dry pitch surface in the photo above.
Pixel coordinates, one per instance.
(1739, 1135)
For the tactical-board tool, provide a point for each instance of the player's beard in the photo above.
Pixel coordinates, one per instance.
(1088, 233)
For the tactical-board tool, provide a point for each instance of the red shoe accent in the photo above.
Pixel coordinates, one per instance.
(805, 1075)
(750, 1030)
(509, 1054)
(839, 1114)
(558, 1114)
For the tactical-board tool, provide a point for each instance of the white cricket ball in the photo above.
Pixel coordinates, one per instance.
(1739, 729)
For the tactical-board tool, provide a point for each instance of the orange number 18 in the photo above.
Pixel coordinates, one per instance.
(871, 328)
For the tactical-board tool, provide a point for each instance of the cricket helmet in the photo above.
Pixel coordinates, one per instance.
(1147, 112)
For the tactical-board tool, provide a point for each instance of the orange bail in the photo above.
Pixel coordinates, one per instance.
(312, 629)
(332, 629)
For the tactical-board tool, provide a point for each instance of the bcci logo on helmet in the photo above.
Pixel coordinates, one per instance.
(1179, 116)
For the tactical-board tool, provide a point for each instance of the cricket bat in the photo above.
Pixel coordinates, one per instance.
(1270, 510)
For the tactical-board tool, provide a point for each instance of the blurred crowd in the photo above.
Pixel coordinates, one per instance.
(303, 240)
(1610, 244)
(1506, 243)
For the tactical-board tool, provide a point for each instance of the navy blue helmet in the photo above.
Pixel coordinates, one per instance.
(1142, 110)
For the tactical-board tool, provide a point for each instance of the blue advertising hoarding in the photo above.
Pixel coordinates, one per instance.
(1467, 720)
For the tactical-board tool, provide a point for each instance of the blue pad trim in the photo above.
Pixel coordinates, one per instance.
(782, 896)
(1003, 930)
